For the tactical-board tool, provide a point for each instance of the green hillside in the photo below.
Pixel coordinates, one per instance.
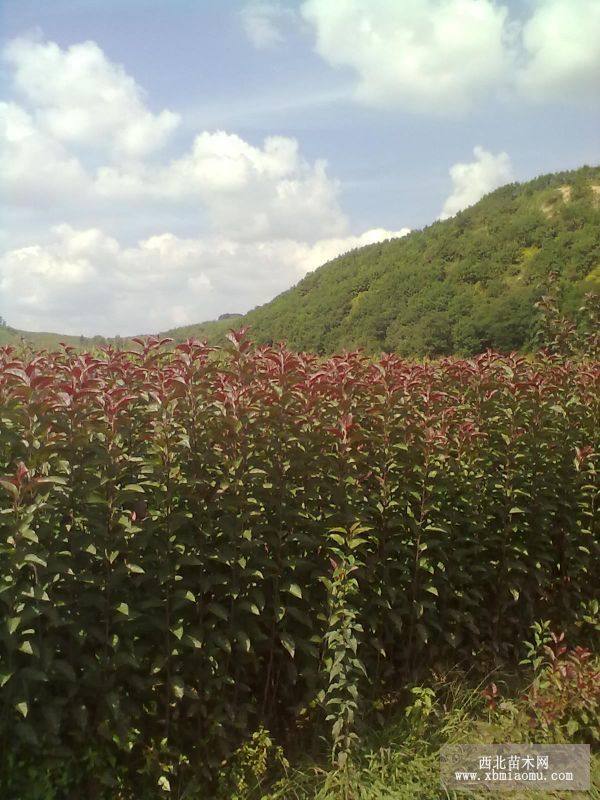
(51, 341)
(457, 286)
(40, 341)
(460, 285)
(214, 331)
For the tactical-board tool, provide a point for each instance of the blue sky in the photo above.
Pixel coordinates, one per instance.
(171, 161)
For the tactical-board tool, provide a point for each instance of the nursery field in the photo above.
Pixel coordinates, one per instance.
(222, 557)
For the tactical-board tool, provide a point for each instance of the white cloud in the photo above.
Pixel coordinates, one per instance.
(424, 55)
(562, 42)
(311, 257)
(262, 21)
(241, 189)
(268, 214)
(443, 56)
(255, 191)
(81, 98)
(258, 216)
(473, 180)
(258, 192)
(36, 169)
(84, 281)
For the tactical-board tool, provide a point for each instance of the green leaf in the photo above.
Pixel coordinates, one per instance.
(26, 648)
(337, 728)
(572, 727)
(123, 608)
(22, 708)
(287, 641)
(10, 488)
(164, 784)
(31, 558)
(57, 479)
(356, 542)
(294, 589)
(5, 677)
(13, 623)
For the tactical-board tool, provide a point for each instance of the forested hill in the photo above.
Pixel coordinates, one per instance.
(458, 286)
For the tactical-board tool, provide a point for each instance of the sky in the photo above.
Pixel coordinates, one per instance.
(163, 162)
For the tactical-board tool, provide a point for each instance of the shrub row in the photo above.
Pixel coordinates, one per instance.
(194, 543)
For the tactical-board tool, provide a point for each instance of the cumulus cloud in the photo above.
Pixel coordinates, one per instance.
(80, 97)
(310, 257)
(258, 190)
(268, 191)
(442, 56)
(472, 180)
(84, 281)
(424, 55)
(262, 23)
(36, 169)
(562, 42)
(75, 147)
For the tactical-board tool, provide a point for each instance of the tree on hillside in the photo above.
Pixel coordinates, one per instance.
(458, 286)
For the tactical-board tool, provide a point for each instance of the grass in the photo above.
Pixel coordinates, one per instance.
(398, 757)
